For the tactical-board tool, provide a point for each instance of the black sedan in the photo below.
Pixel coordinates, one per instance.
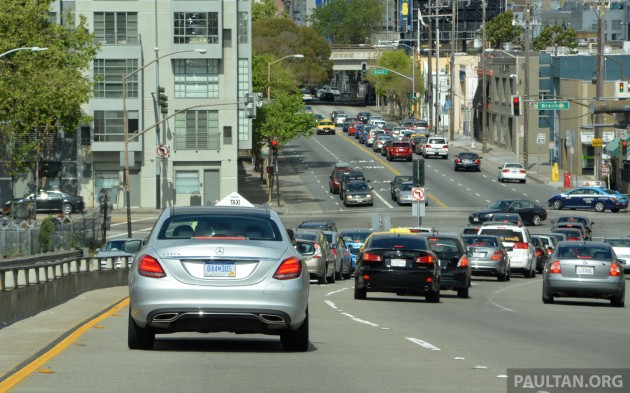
(530, 212)
(55, 201)
(467, 161)
(397, 263)
(456, 271)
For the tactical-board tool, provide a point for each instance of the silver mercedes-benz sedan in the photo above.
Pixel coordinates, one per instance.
(584, 269)
(219, 269)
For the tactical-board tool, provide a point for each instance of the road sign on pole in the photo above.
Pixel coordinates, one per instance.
(417, 193)
(553, 105)
(379, 72)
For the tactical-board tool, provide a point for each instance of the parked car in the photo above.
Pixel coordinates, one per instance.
(206, 284)
(530, 212)
(487, 256)
(358, 192)
(325, 127)
(54, 201)
(343, 260)
(467, 161)
(435, 147)
(512, 171)
(399, 150)
(355, 238)
(451, 252)
(584, 270)
(397, 263)
(395, 184)
(591, 198)
(621, 246)
(517, 242)
(320, 260)
(334, 181)
(113, 254)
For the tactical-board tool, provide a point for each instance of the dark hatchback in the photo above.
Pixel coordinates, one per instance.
(530, 212)
(397, 263)
(395, 184)
(456, 271)
(348, 177)
(467, 161)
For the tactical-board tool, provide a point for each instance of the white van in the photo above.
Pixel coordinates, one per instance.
(517, 241)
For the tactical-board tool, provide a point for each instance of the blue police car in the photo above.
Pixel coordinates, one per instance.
(595, 198)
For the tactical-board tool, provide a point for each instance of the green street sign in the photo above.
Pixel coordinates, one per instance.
(553, 105)
(379, 72)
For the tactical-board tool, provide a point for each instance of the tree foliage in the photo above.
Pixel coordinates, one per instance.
(397, 88)
(348, 21)
(280, 37)
(555, 35)
(500, 30)
(263, 10)
(42, 92)
(284, 119)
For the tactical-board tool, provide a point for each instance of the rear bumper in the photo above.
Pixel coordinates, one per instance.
(581, 288)
(414, 283)
(457, 279)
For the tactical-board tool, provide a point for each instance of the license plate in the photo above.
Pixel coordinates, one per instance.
(399, 262)
(590, 270)
(219, 269)
(467, 162)
(475, 219)
(479, 254)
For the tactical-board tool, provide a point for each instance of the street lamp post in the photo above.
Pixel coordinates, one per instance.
(413, 78)
(32, 48)
(126, 127)
(297, 56)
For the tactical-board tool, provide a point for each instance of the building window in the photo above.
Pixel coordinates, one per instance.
(243, 77)
(107, 182)
(227, 135)
(186, 182)
(616, 24)
(243, 23)
(197, 130)
(116, 27)
(243, 126)
(196, 78)
(108, 74)
(196, 27)
(108, 125)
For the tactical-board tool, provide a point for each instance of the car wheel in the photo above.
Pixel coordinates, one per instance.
(296, 340)
(445, 157)
(455, 169)
(557, 204)
(508, 274)
(502, 277)
(599, 207)
(331, 279)
(389, 158)
(432, 296)
(618, 301)
(533, 273)
(322, 279)
(524, 181)
(536, 220)
(547, 299)
(500, 180)
(138, 337)
(360, 293)
(463, 293)
(478, 169)
(66, 208)
(527, 273)
(339, 275)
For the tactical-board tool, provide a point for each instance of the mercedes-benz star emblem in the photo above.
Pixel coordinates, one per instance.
(219, 251)
(398, 253)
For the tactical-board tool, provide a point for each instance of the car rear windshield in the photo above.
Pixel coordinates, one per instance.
(481, 241)
(400, 144)
(584, 252)
(236, 227)
(618, 242)
(305, 235)
(354, 237)
(469, 156)
(399, 242)
(444, 247)
(504, 234)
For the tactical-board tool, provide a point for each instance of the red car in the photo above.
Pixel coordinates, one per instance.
(399, 150)
(335, 176)
(352, 129)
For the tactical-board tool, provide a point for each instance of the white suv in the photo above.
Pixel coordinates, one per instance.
(518, 243)
(435, 146)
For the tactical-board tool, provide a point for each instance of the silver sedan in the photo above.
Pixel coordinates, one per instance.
(584, 270)
(218, 269)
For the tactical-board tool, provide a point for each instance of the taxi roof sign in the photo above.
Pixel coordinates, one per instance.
(234, 199)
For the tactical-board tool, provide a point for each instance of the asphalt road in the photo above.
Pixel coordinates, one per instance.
(383, 344)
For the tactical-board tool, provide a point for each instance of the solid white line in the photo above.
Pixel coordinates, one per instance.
(383, 200)
(495, 293)
(423, 344)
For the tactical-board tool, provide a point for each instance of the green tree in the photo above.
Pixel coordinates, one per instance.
(555, 35)
(348, 21)
(263, 10)
(501, 29)
(42, 92)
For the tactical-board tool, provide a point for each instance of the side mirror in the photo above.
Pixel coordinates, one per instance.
(132, 246)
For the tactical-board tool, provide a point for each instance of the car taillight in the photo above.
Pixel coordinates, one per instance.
(477, 162)
(458, 160)
(555, 267)
(522, 171)
(614, 270)
(572, 238)
(463, 262)
(318, 252)
(445, 147)
(539, 252)
(334, 251)
(288, 269)
(150, 267)
(371, 257)
(520, 245)
(505, 170)
(428, 259)
(549, 250)
(497, 255)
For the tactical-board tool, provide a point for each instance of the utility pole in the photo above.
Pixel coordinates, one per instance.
(430, 70)
(484, 99)
(526, 90)
(599, 87)
(451, 118)
(437, 69)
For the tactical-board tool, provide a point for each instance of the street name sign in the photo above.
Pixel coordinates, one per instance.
(379, 72)
(553, 105)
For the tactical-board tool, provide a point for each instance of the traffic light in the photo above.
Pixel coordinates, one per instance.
(44, 169)
(251, 105)
(363, 70)
(274, 147)
(516, 106)
(162, 100)
(621, 87)
(624, 148)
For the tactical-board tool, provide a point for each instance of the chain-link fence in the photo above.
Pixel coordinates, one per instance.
(23, 237)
